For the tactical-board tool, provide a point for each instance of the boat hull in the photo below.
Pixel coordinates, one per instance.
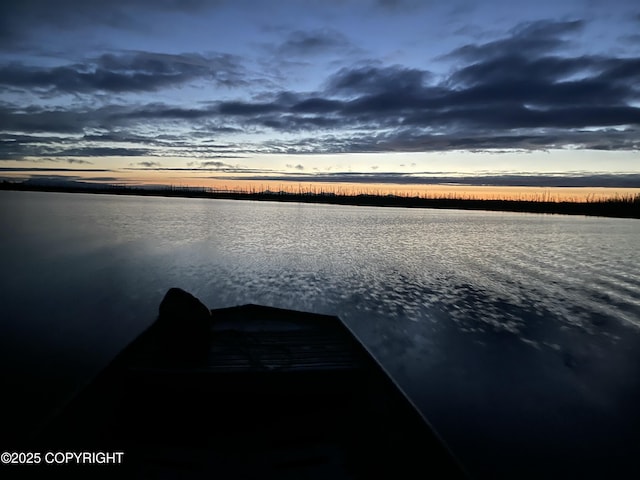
(268, 393)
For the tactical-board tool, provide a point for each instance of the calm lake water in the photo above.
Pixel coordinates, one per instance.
(517, 335)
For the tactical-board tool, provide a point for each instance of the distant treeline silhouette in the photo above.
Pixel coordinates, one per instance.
(623, 206)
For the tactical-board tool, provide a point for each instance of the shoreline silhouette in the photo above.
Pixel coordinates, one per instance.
(617, 206)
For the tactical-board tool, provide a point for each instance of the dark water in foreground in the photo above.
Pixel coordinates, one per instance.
(517, 335)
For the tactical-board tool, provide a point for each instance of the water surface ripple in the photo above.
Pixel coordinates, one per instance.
(517, 335)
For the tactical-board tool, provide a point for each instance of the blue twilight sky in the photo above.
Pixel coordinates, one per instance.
(336, 90)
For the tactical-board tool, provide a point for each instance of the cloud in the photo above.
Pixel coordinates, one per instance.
(313, 42)
(67, 179)
(296, 167)
(208, 166)
(38, 169)
(531, 38)
(215, 165)
(126, 72)
(247, 109)
(509, 93)
(89, 151)
(148, 164)
(157, 111)
(376, 80)
(120, 137)
(400, 6)
(417, 140)
(78, 161)
(51, 147)
(316, 105)
(620, 180)
(38, 120)
(523, 91)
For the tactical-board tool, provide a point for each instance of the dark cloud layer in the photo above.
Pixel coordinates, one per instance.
(127, 72)
(520, 180)
(533, 38)
(525, 91)
(80, 170)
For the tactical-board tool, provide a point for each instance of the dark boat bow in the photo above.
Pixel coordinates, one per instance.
(250, 392)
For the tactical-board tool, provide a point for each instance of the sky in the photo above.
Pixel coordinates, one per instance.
(401, 93)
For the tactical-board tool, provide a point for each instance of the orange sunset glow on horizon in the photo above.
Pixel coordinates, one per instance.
(476, 192)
